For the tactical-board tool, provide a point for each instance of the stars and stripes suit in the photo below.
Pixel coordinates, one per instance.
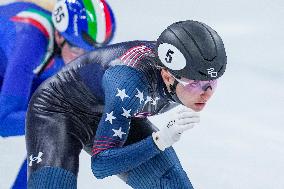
(99, 103)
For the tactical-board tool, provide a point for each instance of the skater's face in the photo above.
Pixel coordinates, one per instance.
(193, 94)
(69, 51)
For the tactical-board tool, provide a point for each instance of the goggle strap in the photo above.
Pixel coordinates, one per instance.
(88, 39)
(173, 87)
(63, 43)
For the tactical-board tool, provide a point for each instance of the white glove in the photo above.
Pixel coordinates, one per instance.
(183, 119)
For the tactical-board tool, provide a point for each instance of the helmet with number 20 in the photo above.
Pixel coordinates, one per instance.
(84, 23)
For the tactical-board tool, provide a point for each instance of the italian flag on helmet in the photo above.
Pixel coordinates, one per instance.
(84, 23)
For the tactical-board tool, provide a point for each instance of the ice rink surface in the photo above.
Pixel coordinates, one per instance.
(239, 142)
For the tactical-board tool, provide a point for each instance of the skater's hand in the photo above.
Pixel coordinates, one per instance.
(183, 119)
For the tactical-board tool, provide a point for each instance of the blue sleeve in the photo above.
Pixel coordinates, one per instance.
(28, 51)
(122, 86)
(52, 178)
(162, 171)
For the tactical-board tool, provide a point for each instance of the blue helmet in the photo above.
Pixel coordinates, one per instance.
(84, 23)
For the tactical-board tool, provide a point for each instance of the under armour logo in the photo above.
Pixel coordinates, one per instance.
(212, 73)
(37, 159)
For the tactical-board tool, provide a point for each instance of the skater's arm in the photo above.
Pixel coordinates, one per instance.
(27, 53)
(121, 85)
(114, 161)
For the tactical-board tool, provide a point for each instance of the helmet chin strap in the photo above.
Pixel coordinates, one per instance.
(173, 92)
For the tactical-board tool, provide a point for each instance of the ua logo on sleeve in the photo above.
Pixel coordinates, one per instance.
(37, 158)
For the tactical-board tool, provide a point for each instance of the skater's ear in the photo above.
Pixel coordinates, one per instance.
(167, 77)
